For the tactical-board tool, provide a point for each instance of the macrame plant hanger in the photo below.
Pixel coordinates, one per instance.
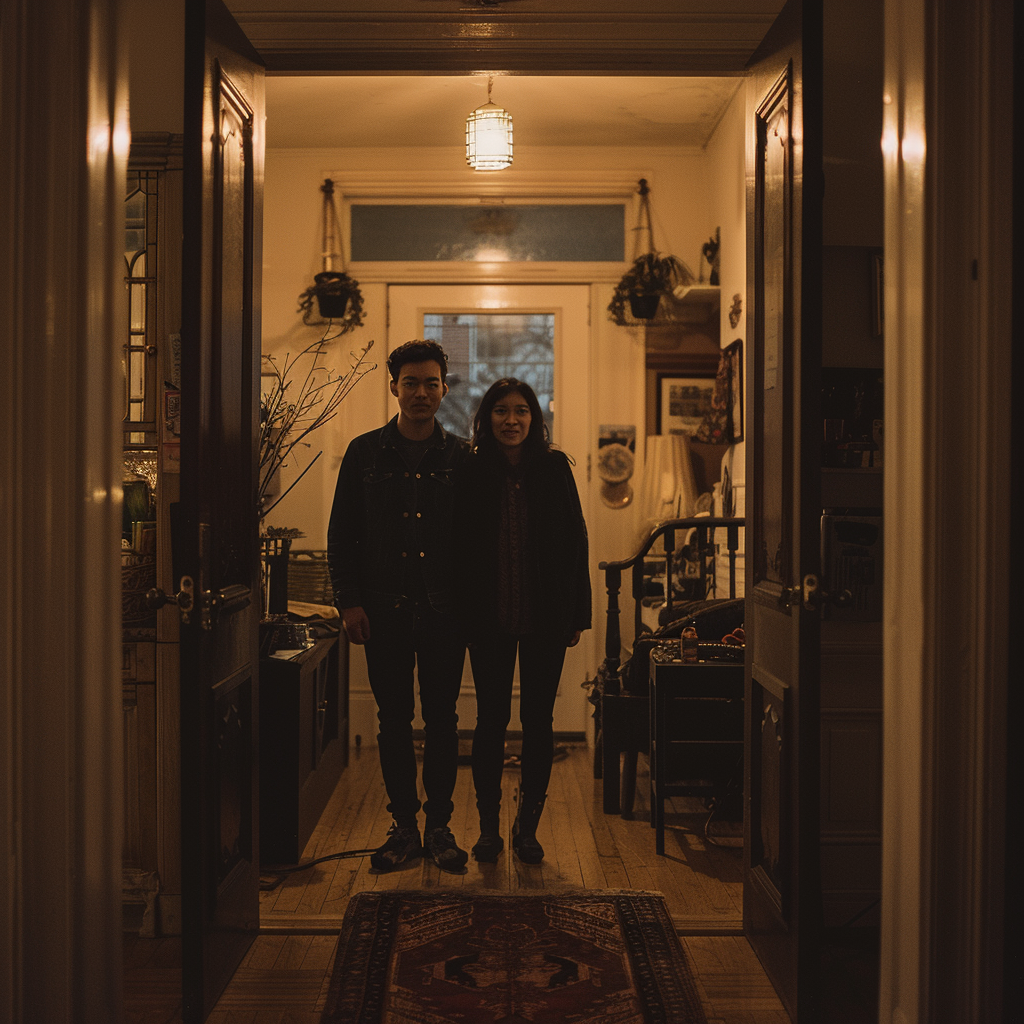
(643, 214)
(337, 295)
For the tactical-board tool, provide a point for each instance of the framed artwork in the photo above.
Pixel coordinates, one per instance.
(682, 403)
(734, 354)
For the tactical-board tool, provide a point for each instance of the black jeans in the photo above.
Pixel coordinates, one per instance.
(540, 668)
(399, 639)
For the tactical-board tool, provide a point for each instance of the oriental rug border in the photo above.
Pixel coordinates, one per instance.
(469, 957)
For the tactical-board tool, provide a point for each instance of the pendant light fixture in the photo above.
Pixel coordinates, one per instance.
(489, 136)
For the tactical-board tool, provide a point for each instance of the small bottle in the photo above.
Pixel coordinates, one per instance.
(688, 643)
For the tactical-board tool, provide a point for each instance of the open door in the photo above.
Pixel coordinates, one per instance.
(217, 545)
(781, 890)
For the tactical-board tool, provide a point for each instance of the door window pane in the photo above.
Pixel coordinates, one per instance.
(483, 347)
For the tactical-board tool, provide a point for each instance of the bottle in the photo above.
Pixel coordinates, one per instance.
(688, 643)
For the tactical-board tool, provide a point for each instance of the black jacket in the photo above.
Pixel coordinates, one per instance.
(387, 521)
(557, 558)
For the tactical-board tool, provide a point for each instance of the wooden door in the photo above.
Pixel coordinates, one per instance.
(218, 552)
(781, 892)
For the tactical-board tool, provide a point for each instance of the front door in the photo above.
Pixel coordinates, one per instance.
(218, 553)
(781, 891)
(559, 315)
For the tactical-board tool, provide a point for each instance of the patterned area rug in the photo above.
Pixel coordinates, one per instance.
(452, 957)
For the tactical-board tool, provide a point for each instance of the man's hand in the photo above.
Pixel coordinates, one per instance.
(575, 638)
(357, 625)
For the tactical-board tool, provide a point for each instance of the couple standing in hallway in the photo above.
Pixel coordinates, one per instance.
(434, 544)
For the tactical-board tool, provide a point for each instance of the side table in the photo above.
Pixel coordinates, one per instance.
(696, 727)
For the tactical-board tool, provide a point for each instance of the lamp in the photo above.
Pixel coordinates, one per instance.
(489, 136)
(669, 488)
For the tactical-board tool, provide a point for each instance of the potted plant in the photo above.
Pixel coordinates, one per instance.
(338, 299)
(651, 276)
(337, 295)
(642, 286)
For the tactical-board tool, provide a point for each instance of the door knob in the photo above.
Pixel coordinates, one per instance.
(815, 596)
(157, 598)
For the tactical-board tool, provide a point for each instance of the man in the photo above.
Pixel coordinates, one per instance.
(389, 553)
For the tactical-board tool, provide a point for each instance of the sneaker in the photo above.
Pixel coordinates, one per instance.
(403, 844)
(440, 847)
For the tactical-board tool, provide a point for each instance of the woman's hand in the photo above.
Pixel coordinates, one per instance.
(575, 638)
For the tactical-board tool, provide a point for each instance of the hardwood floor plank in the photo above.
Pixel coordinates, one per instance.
(284, 978)
(320, 953)
(293, 953)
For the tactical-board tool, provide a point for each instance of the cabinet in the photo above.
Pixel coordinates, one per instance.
(303, 744)
(696, 731)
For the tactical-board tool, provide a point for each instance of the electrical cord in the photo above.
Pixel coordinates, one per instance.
(281, 873)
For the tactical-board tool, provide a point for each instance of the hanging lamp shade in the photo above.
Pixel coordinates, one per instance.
(489, 136)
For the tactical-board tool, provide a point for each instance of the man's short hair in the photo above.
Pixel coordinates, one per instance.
(417, 352)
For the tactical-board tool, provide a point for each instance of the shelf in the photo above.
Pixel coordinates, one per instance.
(692, 304)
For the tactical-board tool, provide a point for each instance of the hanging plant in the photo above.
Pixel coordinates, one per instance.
(652, 275)
(640, 289)
(338, 299)
(337, 296)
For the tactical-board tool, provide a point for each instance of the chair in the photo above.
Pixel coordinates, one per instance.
(622, 713)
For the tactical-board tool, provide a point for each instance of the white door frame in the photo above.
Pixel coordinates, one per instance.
(947, 144)
(63, 165)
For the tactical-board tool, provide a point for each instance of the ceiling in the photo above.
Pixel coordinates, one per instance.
(402, 110)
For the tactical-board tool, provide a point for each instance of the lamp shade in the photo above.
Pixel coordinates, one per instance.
(668, 489)
(489, 138)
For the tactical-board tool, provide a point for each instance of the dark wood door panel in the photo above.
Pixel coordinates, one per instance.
(223, 163)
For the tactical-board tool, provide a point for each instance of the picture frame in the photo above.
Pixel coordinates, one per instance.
(734, 355)
(682, 402)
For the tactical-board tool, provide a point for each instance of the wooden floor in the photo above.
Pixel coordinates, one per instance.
(285, 975)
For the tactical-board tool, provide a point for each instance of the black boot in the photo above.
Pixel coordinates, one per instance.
(490, 843)
(524, 831)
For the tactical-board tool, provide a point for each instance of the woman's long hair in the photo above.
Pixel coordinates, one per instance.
(484, 441)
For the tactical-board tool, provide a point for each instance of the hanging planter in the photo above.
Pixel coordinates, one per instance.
(334, 290)
(650, 277)
(337, 296)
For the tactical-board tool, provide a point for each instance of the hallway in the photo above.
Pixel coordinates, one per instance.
(285, 975)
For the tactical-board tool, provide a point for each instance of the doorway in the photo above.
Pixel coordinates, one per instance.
(561, 312)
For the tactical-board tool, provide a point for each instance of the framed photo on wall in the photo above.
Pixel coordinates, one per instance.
(682, 403)
(734, 353)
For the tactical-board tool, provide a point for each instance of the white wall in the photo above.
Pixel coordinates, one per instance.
(727, 197)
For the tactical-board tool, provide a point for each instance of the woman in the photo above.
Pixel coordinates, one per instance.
(525, 589)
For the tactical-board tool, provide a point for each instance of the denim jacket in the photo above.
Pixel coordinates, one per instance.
(388, 522)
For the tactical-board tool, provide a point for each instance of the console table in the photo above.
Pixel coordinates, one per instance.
(303, 744)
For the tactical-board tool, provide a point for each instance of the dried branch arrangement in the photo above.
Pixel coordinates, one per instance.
(303, 396)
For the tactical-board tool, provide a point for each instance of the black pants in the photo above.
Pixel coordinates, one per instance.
(399, 639)
(540, 668)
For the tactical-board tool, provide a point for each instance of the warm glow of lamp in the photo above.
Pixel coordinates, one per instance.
(489, 136)
(668, 489)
